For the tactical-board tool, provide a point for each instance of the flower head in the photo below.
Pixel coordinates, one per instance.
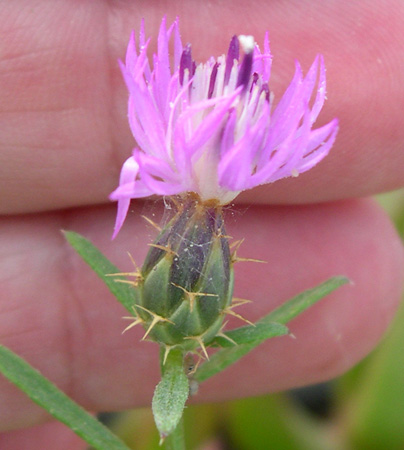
(210, 128)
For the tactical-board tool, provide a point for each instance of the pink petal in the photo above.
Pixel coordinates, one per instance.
(128, 174)
(321, 92)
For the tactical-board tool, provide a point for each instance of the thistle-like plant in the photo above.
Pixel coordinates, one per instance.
(204, 133)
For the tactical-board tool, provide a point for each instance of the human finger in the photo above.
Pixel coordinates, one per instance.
(58, 315)
(64, 132)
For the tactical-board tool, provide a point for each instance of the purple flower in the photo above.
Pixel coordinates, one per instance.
(210, 128)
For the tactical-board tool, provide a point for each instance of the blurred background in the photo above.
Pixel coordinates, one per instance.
(361, 410)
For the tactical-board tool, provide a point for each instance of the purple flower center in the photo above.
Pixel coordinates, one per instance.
(233, 54)
(186, 63)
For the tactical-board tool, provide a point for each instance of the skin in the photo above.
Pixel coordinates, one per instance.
(64, 136)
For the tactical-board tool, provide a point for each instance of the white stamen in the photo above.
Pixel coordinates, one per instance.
(247, 43)
(294, 173)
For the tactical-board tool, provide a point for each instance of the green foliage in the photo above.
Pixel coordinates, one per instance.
(286, 312)
(173, 390)
(49, 397)
(124, 293)
(251, 334)
(170, 394)
(297, 305)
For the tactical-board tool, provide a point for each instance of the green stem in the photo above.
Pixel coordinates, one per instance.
(176, 440)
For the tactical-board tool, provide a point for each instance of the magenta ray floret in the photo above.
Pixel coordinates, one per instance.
(211, 128)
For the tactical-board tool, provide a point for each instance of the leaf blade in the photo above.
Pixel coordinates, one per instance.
(297, 305)
(281, 315)
(170, 394)
(250, 334)
(124, 293)
(58, 404)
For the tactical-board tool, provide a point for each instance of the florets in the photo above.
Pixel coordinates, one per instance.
(211, 128)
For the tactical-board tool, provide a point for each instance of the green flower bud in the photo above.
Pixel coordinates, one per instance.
(187, 279)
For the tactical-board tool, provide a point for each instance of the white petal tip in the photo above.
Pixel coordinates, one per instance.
(247, 43)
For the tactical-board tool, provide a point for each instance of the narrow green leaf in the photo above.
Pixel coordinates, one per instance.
(49, 397)
(292, 308)
(251, 334)
(222, 359)
(170, 394)
(286, 312)
(125, 293)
